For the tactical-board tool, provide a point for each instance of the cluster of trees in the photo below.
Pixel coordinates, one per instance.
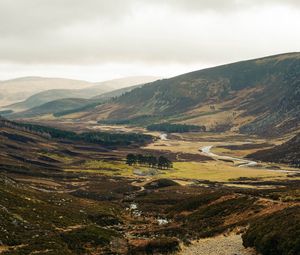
(175, 128)
(149, 160)
(125, 139)
(103, 138)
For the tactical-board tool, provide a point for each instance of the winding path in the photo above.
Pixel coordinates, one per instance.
(219, 245)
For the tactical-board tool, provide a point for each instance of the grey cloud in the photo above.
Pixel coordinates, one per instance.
(99, 31)
(221, 5)
(20, 17)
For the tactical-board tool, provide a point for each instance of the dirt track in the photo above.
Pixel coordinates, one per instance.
(220, 245)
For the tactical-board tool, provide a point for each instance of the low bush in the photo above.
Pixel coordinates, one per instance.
(175, 128)
(193, 203)
(78, 239)
(163, 245)
(276, 234)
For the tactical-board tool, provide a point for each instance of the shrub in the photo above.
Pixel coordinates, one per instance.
(78, 239)
(276, 234)
(175, 128)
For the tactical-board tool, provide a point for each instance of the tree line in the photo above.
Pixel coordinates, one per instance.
(149, 160)
(175, 128)
(102, 138)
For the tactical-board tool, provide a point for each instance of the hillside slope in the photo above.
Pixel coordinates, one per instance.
(53, 95)
(51, 107)
(253, 96)
(288, 153)
(35, 149)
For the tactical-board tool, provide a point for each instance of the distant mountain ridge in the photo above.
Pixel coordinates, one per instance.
(91, 90)
(78, 91)
(71, 101)
(19, 89)
(51, 107)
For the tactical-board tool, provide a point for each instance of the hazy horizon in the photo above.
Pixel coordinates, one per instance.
(97, 41)
(133, 76)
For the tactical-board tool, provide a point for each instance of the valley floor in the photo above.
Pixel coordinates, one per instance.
(224, 157)
(86, 200)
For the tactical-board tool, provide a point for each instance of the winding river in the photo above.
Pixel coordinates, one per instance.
(163, 137)
(238, 162)
(241, 162)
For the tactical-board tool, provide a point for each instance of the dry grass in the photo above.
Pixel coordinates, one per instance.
(59, 157)
(235, 153)
(217, 171)
(212, 171)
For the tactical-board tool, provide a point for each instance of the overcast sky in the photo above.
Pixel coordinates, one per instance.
(104, 39)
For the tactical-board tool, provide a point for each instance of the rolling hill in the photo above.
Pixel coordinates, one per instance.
(51, 107)
(65, 106)
(92, 90)
(51, 95)
(17, 90)
(260, 96)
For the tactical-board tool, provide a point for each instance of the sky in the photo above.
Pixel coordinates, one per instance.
(98, 40)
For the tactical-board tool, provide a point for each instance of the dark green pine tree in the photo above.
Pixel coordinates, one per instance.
(131, 159)
(163, 163)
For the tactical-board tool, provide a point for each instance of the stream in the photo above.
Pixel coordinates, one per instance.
(163, 137)
(241, 162)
